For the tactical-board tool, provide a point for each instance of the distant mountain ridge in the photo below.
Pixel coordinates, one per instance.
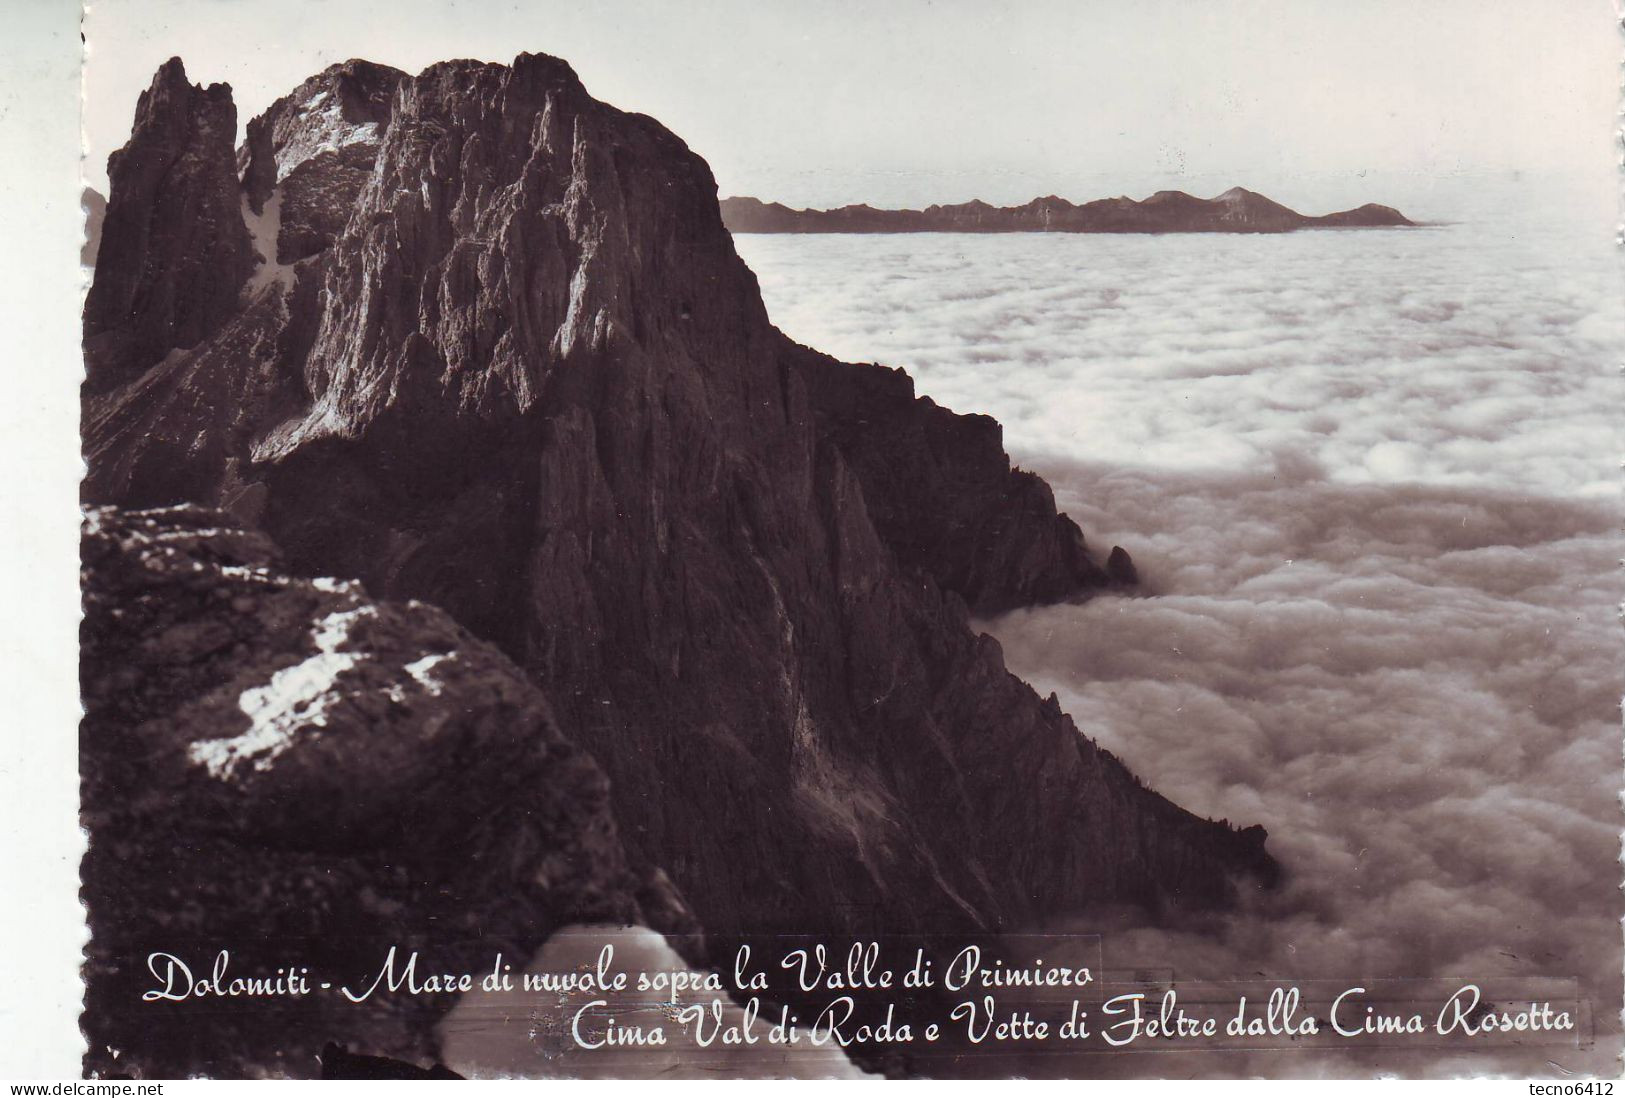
(1237, 210)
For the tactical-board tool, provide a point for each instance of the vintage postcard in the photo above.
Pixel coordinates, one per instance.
(1054, 539)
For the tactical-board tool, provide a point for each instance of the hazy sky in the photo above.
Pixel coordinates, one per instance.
(831, 101)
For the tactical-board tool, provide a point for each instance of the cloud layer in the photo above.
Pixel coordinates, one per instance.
(1414, 689)
(1482, 352)
(1370, 480)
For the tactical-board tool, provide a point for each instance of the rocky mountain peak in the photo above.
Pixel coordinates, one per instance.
(344, 105)
(174, 248)
(528, 225)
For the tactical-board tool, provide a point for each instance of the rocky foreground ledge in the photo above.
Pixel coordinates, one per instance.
(294, 772)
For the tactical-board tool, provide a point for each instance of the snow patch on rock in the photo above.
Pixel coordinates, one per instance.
(254, 574)
(263, 230)
(419, 670)
(322, 128)
(296, 699)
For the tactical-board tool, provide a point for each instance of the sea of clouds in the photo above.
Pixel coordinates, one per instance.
(1370, 479)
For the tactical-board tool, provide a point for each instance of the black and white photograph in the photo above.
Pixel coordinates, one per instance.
(930, 540)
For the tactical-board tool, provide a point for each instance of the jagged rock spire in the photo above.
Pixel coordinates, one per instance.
(174, 249)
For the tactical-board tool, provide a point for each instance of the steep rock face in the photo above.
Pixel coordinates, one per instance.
(941, 492)
(1235, 211)
(174, 250)
(538, 387)
(314, 149)
(293, 772)
(181, 430)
